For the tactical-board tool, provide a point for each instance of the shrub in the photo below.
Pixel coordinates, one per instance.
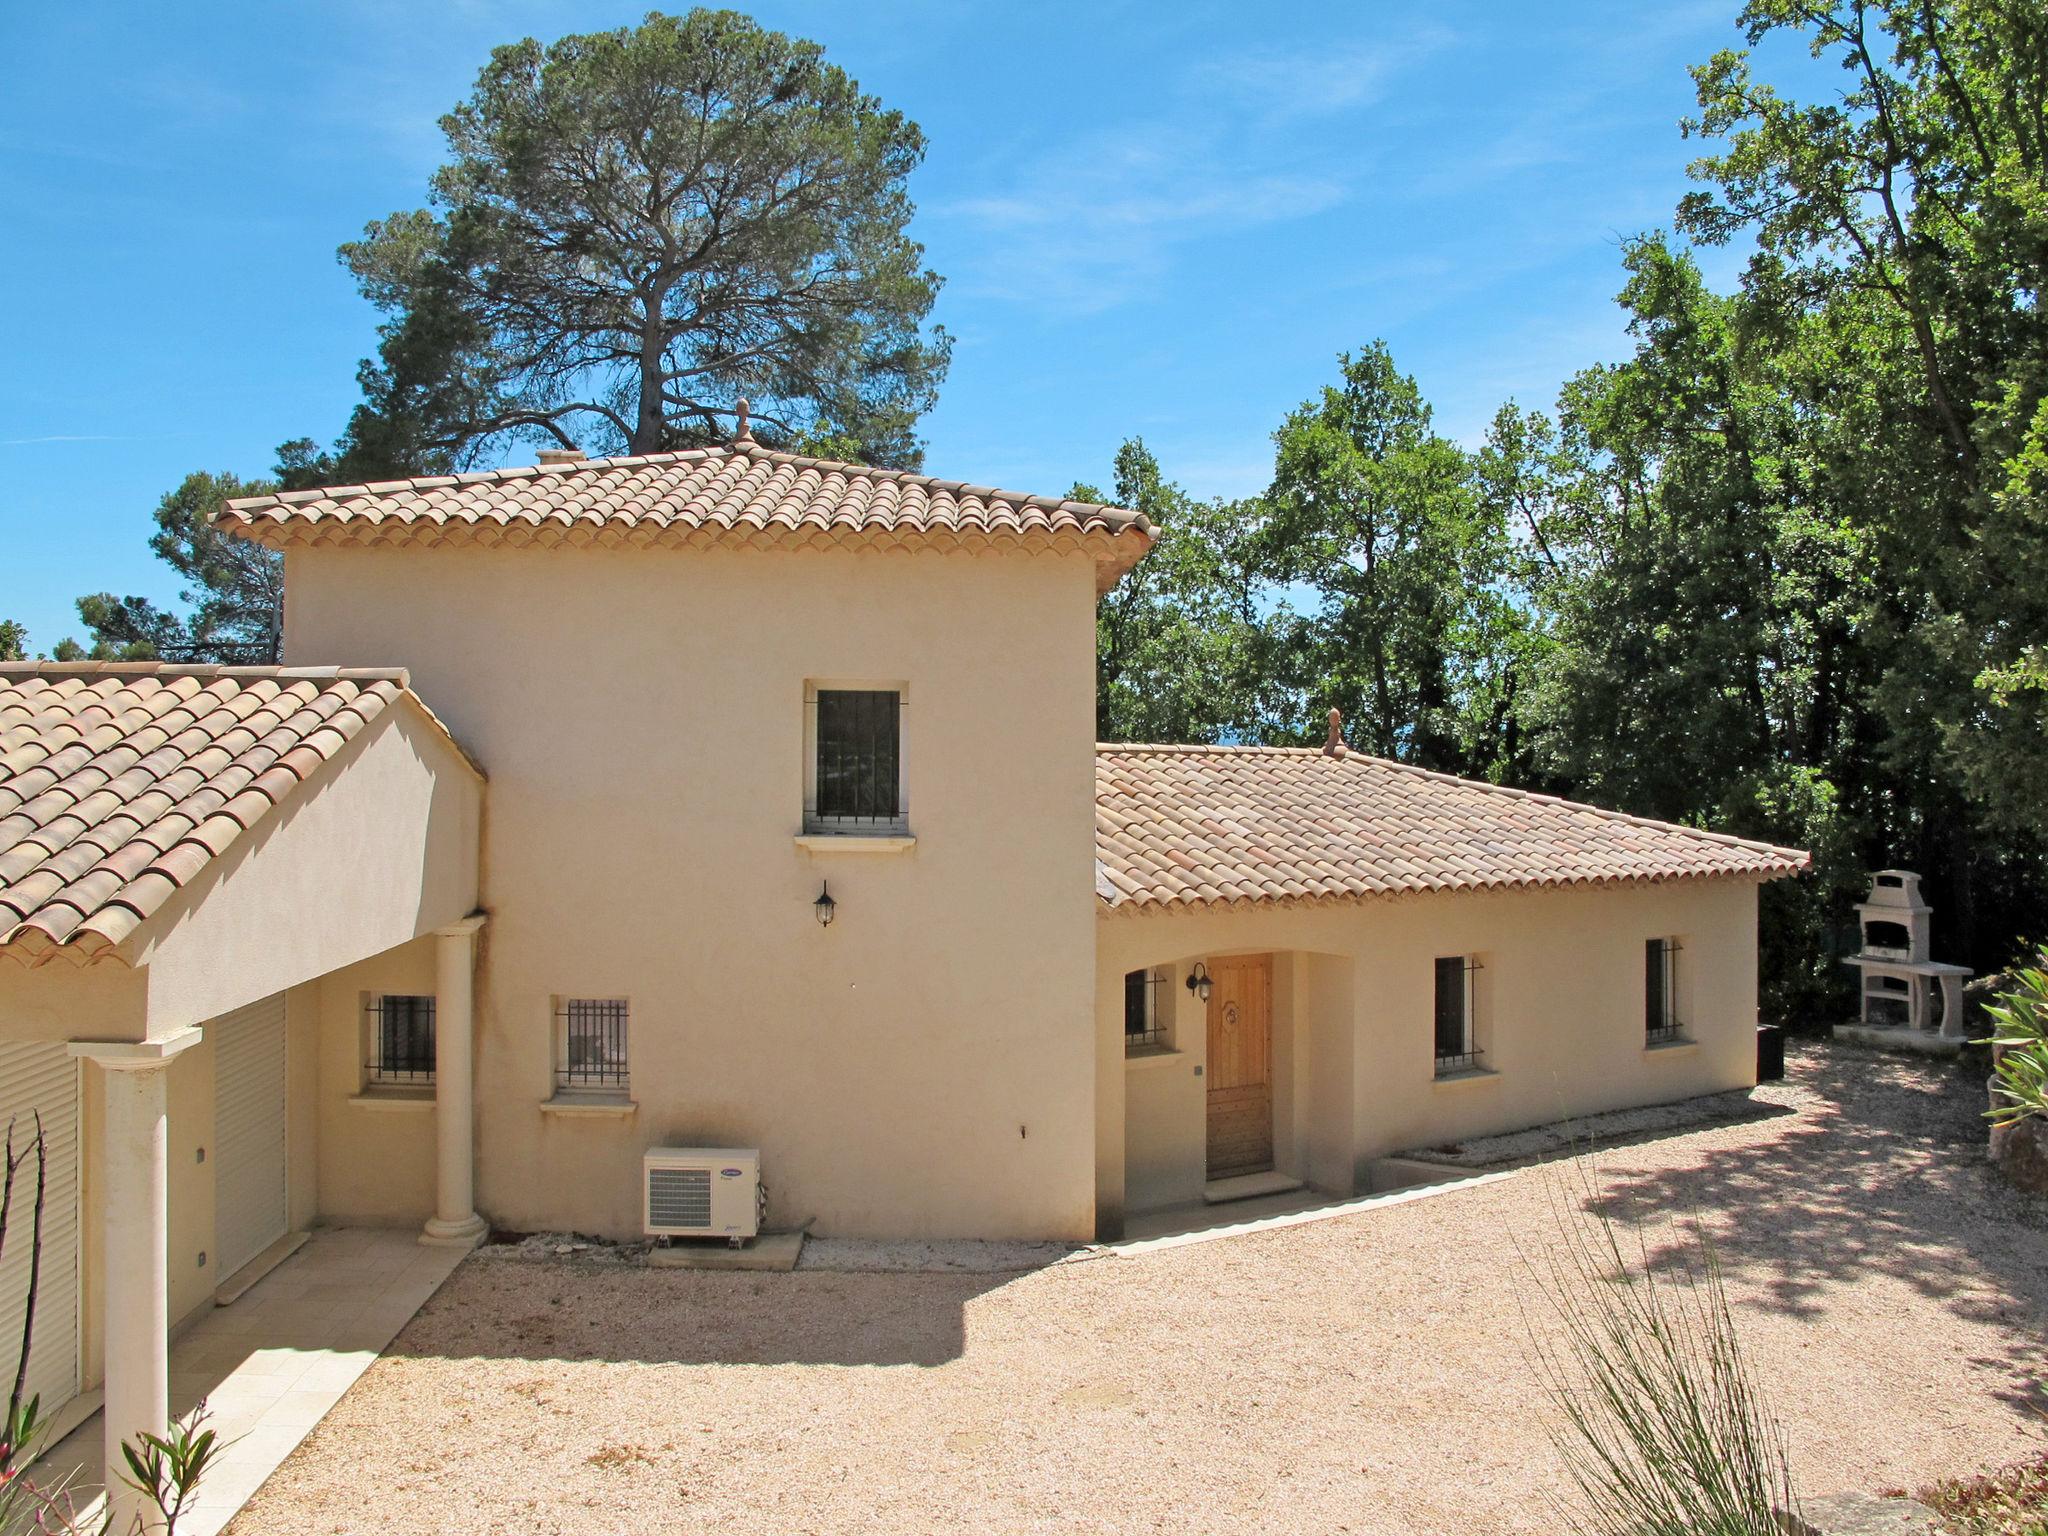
(2020, 1044)
(2009, 1502)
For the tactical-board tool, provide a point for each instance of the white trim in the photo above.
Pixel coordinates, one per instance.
(855, 842)
(618, 1108)
(137, 1055)
(1464, 1077)
(1153, 1056)
(385, 1099)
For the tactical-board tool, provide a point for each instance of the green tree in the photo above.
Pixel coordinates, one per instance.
(1901, 237)
(1188, 648)
(1414, 620)
(13, 641)
(236, 592)
(636, 229)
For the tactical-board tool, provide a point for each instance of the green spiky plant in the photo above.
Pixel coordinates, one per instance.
(1660, 1423)
(2020, 1044)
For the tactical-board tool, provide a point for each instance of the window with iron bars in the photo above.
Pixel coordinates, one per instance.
(1145, 1011)
(590, 1044)
(1457, 1044)
(857, 762)
(400, 1031)
(1661, 1023)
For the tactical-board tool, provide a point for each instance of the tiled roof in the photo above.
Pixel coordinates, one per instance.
(121, 781)
(741, 494)
(1199, 826)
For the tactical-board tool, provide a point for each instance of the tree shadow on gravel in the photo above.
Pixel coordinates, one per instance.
(565, 1311)
(1886, 1175)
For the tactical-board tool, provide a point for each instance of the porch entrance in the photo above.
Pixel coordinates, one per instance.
(1240, 1069)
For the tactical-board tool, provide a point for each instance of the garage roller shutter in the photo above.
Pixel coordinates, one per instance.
(250, 1210)
(42, 1078)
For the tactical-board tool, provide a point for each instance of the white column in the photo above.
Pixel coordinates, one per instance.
(135, 1294)
(455, 1223)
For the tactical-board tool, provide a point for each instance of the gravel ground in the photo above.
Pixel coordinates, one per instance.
(1370, 1373)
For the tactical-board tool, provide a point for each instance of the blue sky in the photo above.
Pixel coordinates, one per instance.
(1158, 218)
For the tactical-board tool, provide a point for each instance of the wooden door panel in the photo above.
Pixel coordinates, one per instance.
(1240, 1065)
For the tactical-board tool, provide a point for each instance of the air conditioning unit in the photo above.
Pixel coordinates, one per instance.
(701, 1192)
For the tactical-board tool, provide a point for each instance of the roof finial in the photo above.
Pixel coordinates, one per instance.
(741, 434)
(1334, 747)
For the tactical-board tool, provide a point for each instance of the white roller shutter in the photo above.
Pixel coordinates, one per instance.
(42, 1078)
(250, 1210)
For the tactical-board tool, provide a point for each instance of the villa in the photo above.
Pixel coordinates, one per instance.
(729, 798)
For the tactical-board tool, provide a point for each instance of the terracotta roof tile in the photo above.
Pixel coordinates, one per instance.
(121, 781)
(740, 494)
(1216, 826)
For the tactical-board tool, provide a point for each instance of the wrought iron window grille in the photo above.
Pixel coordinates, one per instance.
(1661, 1024)
(857, 769)
(1145, 1011)
(590, 1044)
(401, 1039)
(1457, 1044)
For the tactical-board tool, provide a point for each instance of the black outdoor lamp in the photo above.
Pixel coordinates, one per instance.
(1198, 981)
(825, 906)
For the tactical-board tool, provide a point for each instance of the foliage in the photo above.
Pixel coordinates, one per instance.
(1379, 518)
(1660, 1423)
(2012, 1501)
(2020, 1041)
(13, 641)
(1782, 570)
(1184, 652)
(236, 595)
(166, 1469)
(638, 227)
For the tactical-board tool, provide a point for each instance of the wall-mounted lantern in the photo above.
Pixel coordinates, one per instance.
(1198, 981)
(824, 907)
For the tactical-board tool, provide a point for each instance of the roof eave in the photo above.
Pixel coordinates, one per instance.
(1147, 905)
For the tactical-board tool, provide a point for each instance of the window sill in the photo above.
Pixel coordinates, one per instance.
(1153, 1056)
(1465, 1076)
(393, 1098)
(855, 842)
(1682, 1043)
(572, 1103)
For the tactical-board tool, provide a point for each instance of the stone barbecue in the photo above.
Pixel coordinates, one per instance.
(1900, 978)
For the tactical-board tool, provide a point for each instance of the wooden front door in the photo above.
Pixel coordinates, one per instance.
(1240, 1065)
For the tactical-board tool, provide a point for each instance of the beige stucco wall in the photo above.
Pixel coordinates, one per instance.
(375, 1152)
(62, 1000)
(1559, 1014)
(924, 1066)
(379, 846)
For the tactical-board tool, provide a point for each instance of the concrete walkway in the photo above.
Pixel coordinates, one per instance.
(273, 1363)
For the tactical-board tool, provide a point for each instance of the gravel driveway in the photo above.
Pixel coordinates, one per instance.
(1369, 1373)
